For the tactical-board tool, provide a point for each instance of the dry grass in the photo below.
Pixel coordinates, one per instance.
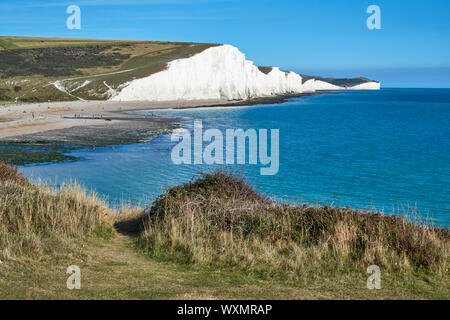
(11, 174)
(43, 42)
(36, 221)
(215, 221)
(219, 221)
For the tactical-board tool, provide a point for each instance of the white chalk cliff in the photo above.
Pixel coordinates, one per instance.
(220, 72)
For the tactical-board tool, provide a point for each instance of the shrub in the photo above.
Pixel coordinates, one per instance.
(218, 220)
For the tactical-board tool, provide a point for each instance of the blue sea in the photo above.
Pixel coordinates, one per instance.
(385, 150)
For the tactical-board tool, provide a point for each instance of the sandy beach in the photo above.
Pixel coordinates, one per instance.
(26, 119)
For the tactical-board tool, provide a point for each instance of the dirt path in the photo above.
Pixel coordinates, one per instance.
(116, 270)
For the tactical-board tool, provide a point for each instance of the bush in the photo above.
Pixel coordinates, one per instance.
(9, 173)
(218, 220)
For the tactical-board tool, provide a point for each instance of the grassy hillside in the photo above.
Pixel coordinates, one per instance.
(85, 69)
(211, 238)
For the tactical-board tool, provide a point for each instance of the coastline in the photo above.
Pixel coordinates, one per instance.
(23, 121)
(278, 99)
(45, 132)
(26, 119)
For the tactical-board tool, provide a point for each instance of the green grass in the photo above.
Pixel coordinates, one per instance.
(44, 42)
(112, 269)
(7, 44)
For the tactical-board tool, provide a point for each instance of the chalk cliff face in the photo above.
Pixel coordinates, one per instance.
(372, 85)
(220, 72)
(313, 85)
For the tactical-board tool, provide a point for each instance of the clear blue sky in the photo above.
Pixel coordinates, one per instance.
(324, 37)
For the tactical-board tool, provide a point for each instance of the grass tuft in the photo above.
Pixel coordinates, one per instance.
(10, 173)
(37, 221)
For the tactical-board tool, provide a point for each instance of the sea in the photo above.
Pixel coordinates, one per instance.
(385, 151)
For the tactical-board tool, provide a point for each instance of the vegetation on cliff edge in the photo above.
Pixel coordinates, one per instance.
(214, 237)
(220, 221)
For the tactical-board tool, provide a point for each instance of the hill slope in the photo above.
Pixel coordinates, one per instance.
(47, 69)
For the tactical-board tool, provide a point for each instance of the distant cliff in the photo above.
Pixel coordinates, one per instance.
(222, 72)
(48, 69)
